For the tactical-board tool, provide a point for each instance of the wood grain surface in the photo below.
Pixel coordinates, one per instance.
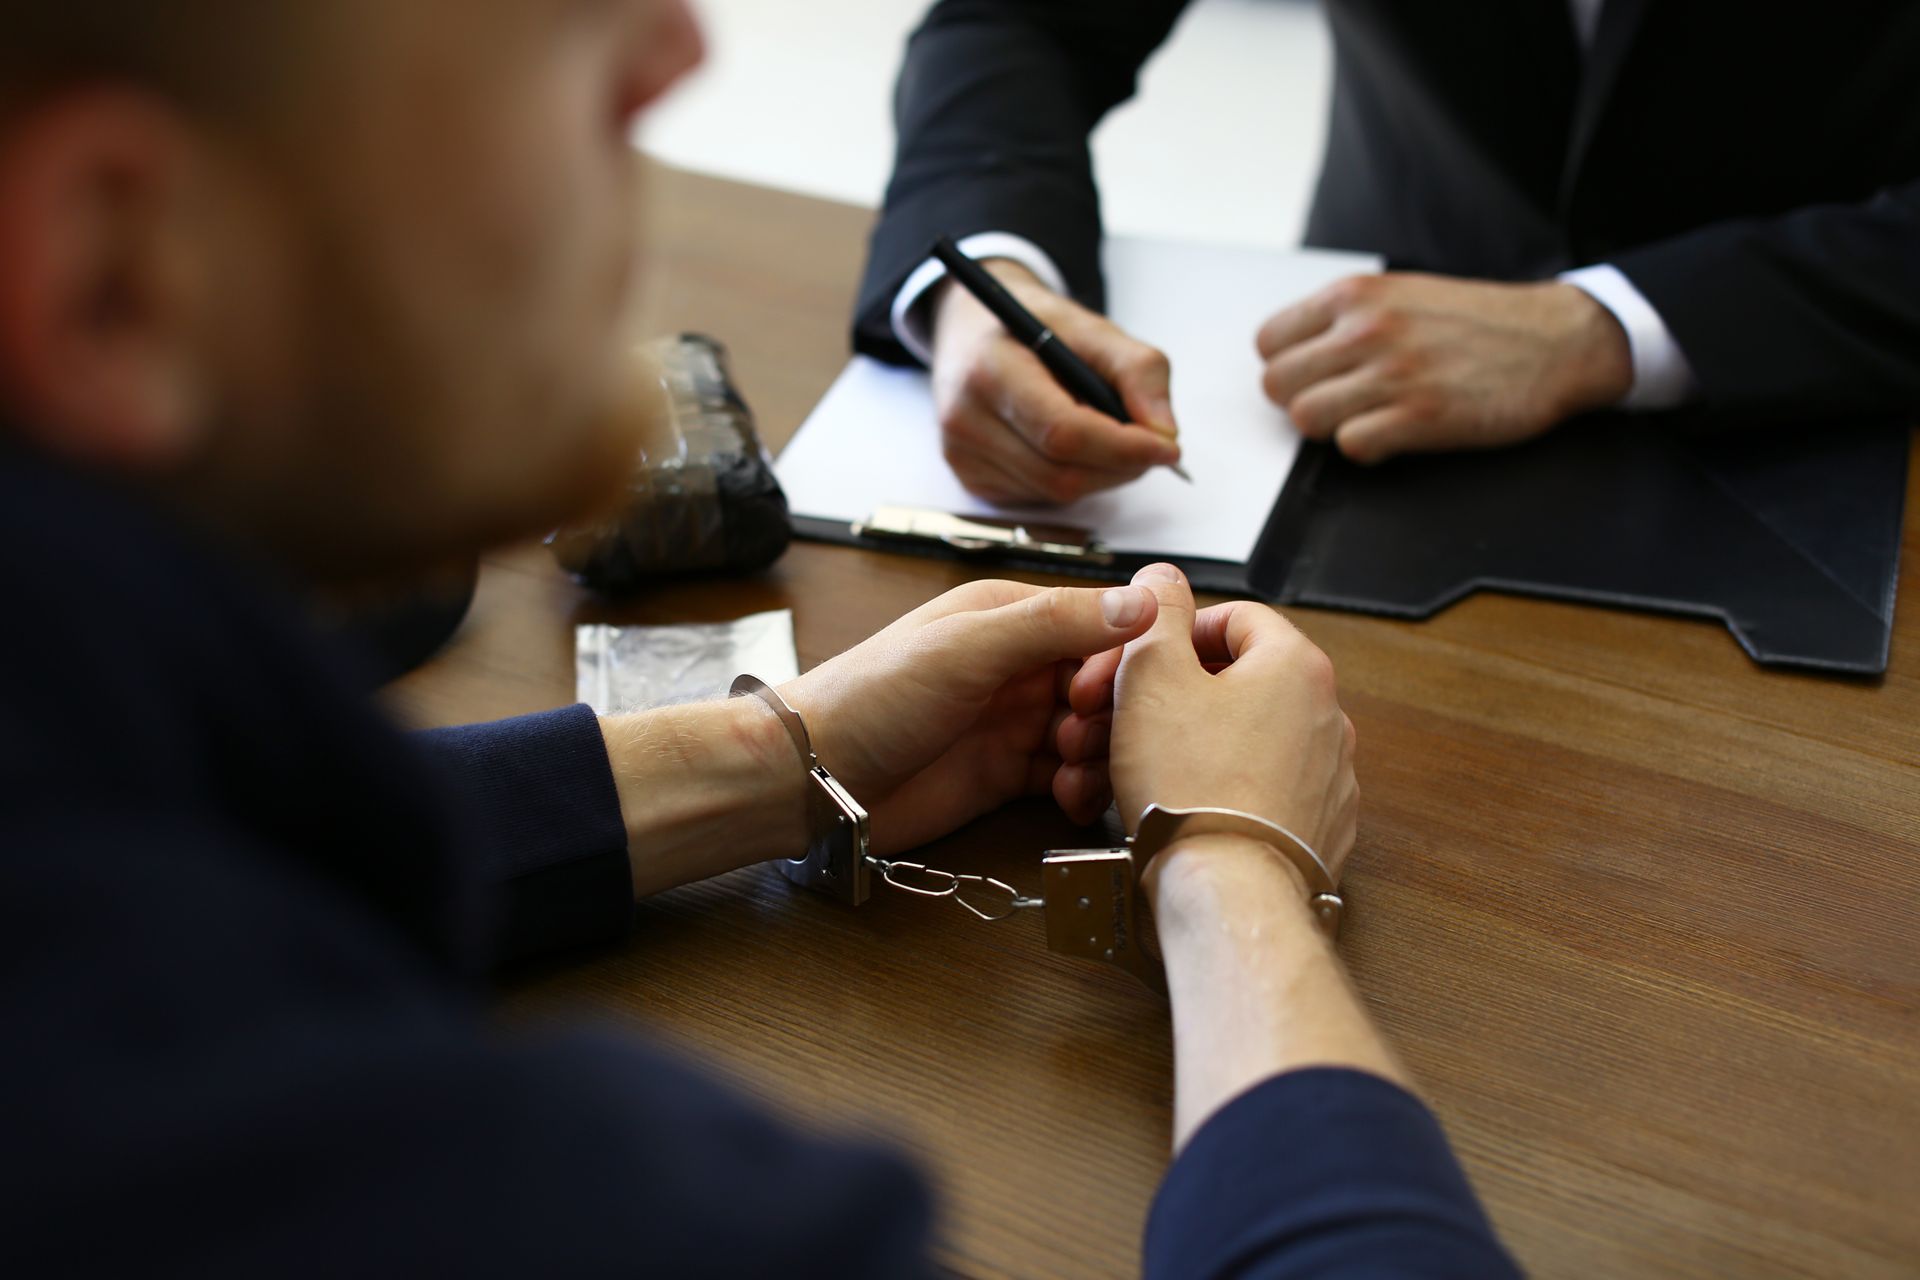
(1643, 917)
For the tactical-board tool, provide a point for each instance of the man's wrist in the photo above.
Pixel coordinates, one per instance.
(913, 312)
(1204, 882)
(705, 789)
(1256, 988)
(944, 296)
(1598, 368)
(783, 781)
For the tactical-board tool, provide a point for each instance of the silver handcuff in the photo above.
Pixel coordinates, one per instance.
(1091, 897)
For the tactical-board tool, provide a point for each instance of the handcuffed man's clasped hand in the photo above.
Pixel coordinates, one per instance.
(961, 706)
(1227, 707)
(998, 690)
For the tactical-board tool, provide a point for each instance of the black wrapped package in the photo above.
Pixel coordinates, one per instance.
(702, 496)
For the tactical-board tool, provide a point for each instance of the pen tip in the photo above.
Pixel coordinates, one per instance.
(1180, 471)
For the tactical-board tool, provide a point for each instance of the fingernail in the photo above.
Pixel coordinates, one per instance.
(1160, 414)
(1122, 606)
(1169, 455)
(1157, 573)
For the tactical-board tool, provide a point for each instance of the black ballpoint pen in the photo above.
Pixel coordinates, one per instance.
(1080, 379)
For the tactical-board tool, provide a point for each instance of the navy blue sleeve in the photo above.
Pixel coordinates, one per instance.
(1324, 1172)
(539, 790)
(994, 107)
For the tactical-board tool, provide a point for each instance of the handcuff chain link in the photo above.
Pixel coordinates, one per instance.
(992, 900)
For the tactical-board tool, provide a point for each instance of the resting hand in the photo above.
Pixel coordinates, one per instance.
(957, 708)
(1410, 363)
(1010, 432)
(1230, 707)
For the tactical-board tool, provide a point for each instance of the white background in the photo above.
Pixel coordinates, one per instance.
(1222, 144)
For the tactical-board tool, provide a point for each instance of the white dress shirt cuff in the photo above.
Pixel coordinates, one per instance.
(911, 323)
(1662, 379)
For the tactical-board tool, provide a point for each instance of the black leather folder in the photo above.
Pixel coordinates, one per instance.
(1790, 536)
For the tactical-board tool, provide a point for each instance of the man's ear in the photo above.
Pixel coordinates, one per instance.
(99, 288)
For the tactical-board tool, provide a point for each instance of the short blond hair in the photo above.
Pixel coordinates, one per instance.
(206, 55)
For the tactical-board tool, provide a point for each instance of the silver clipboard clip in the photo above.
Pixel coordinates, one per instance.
(977, 535)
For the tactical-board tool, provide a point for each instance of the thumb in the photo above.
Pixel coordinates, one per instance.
(1168, 644)
(1050, 625)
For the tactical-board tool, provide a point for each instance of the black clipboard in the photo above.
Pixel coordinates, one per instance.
(1788, 535)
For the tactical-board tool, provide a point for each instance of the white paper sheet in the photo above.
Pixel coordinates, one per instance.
(873, 440)
(623, 669)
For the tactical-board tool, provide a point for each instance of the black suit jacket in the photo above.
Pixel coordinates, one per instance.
(1757, 179)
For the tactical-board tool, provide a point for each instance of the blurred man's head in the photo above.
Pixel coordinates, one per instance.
(345, 278)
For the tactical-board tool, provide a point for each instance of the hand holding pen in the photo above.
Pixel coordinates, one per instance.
(1040, 399)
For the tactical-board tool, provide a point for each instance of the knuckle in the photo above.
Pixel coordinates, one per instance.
(1376, 326)
(1353, 291)
(1147, 362)
(954, 423)
(1312, 666)
(1306, 415)
(1059, 441)
(1274, 383)
(982, 381)
(1401, 367)
(1364, 449)
(1267, 340)
(1049, 610)
(1416, 407)
(972, 595)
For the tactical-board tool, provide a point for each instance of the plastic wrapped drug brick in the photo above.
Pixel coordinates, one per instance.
(702, 496)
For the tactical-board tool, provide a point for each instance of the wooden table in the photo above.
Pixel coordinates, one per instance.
(1643, 918)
